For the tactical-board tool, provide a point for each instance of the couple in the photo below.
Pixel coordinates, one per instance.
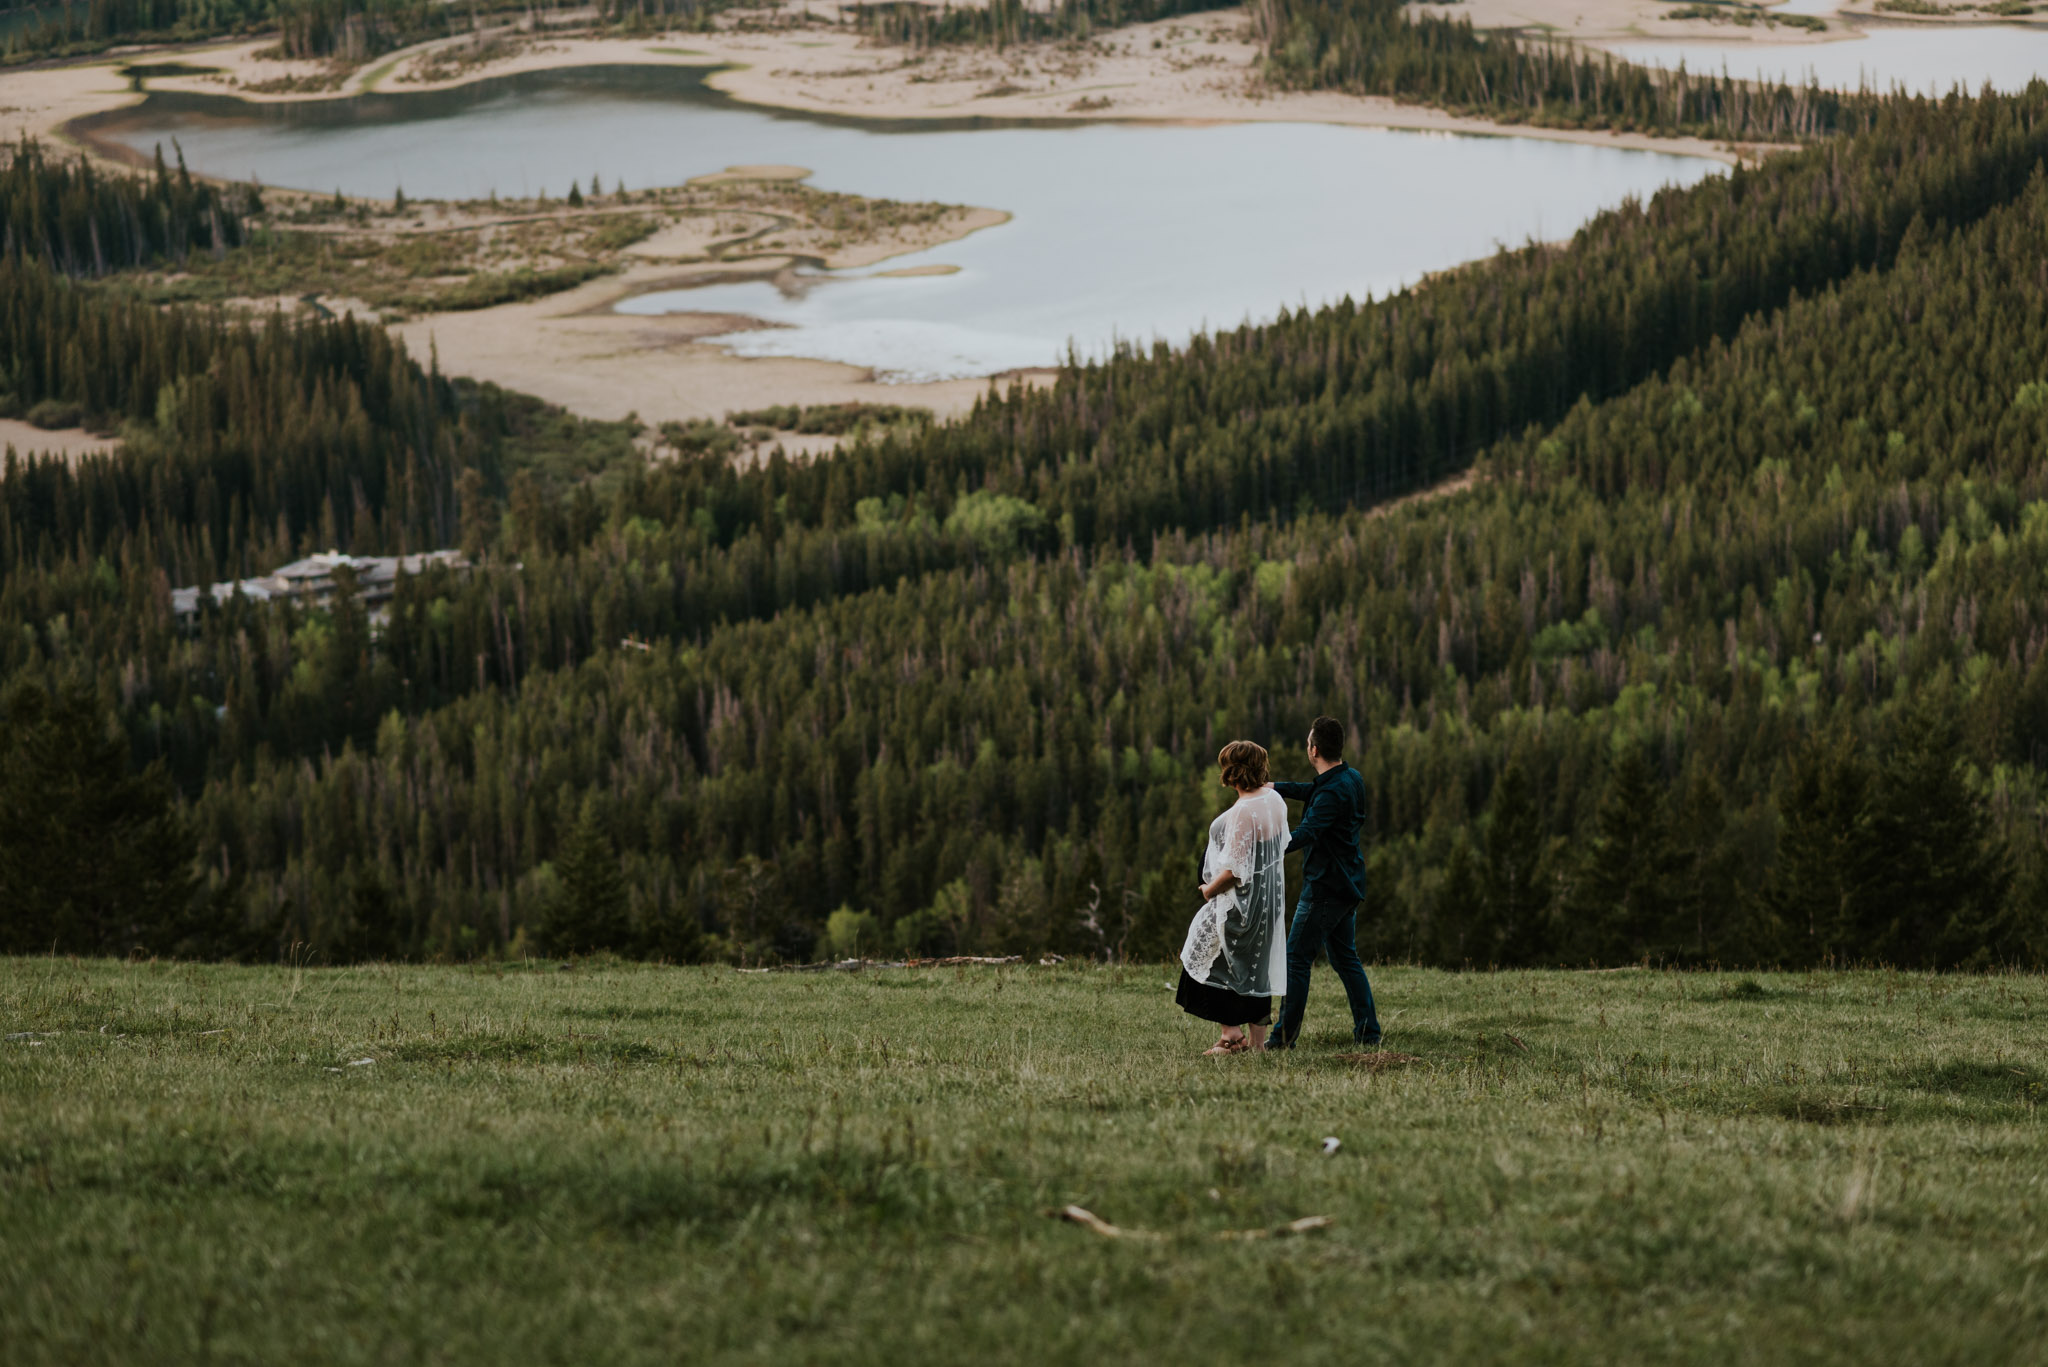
(1230, 966)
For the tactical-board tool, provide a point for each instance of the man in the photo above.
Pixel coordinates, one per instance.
(1326, 914)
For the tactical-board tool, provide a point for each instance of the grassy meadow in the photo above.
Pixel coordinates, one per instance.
(622, 1164)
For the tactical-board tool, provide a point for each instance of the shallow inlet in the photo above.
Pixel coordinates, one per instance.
(1136, 231)
(1921, 57)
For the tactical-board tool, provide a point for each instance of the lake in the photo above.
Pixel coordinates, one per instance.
(1129, 231)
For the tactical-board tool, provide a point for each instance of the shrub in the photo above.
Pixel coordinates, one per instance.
(50, 414)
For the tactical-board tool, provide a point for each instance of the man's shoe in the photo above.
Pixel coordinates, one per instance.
(1275, 1043)
(1369, 1041)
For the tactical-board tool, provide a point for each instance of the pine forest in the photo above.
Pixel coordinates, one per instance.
(1682, 585)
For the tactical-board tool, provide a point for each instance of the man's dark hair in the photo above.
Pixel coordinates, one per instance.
(1328, 735)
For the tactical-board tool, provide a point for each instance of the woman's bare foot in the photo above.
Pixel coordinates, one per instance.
(1258, 1036)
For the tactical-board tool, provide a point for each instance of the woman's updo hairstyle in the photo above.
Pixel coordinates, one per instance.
(1244, 765)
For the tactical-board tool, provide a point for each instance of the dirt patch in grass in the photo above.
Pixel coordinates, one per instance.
(1819, 1109)
(526, 1046)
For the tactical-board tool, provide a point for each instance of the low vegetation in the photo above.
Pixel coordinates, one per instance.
(835, 419)
(525, 1164)
(184, 241)
(1747, 16)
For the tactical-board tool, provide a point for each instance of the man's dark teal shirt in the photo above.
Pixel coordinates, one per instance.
(1329, 831)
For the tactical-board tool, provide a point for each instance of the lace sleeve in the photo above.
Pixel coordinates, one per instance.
(1241, 843)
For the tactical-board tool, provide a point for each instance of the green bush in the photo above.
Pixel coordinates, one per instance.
(51, 414)
(850, 934)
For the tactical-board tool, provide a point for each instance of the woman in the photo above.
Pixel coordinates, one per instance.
(1232, 966)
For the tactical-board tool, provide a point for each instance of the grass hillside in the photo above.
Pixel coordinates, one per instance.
(624, 1164)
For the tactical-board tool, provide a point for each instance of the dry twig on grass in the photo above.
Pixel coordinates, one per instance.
(1307, 1224)
(1088, 1219)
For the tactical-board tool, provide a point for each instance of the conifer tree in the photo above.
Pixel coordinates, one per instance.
(1706, 904)
(1620, 899)
(1827, 869)
(1939, 897)
(1516, 880)
(588, 911)
(1463, 926)
(93, 859)
(751, 899)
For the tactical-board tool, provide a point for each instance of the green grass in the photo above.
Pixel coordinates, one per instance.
(621, 1165)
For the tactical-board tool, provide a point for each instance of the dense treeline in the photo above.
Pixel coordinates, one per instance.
(1005, 23)
(351, 30)
(86, 223)
(1732, 653)
(1386, 47)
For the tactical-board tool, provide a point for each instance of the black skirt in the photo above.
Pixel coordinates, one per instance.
(1220, 1004)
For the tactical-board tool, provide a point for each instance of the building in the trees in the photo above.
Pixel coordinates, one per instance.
(311, 581)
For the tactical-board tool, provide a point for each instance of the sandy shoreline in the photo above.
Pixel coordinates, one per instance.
(570, 349)
(67, 443)
(1198, 69)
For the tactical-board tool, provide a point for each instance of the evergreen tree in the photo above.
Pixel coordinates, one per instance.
(377, 924)
(1827, 872)
(1463, 923)
(1938, 899)
(1515, 884)
(93, 858)
(1707, 906)
(672, 932)
(1620, 902)
(588, 911)
(751, 898)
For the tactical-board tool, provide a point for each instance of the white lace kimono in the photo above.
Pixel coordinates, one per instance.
(1237, 939)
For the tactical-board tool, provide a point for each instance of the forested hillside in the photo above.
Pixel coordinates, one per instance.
(1732, 653)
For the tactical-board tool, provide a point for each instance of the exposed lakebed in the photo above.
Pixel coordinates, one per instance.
(1136, 231)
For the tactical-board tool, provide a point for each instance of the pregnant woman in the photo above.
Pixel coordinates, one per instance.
(1230, 966)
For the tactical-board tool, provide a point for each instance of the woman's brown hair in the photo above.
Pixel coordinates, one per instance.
(1244, 765)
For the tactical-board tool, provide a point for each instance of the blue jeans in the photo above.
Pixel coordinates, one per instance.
(1332, 928)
